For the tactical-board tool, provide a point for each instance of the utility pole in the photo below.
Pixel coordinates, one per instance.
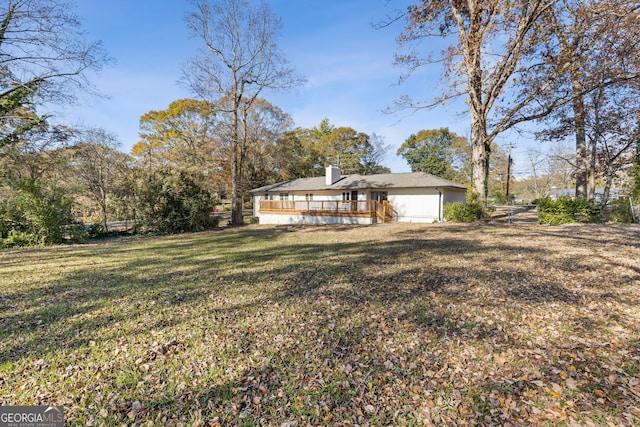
(509, 161)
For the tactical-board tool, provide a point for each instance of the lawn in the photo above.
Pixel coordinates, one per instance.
(334, 325)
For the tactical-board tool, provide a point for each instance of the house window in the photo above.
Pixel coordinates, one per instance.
(380, 196)
(346, 196)
(284, 196)
(308, 196)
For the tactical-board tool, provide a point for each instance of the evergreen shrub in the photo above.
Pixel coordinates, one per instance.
(463, 212)
(567, 210)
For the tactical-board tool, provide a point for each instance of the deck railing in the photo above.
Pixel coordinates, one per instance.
(353, 208)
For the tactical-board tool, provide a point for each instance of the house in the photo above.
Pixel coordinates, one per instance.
(356, 199)
(555, 193)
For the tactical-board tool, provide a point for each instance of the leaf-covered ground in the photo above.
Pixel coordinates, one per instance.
(288, 326)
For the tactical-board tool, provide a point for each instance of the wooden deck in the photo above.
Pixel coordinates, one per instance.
(382, 211)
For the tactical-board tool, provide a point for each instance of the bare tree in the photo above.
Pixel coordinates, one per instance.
(477, 66)
(372, 160)
(43, 58)
(561, 166)
(538, 47)
(585, 46)
(265, 125)
(612, 130)
(36, 156)
(535, 160)
(97, 165)
(239, 59)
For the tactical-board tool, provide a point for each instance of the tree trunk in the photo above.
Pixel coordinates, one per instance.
(103, 207)
(479, 157)
(607, 190)
(597, 100)
(236, 198)
(592, 170)
(477, 112)
(236, 172)
(581, 139)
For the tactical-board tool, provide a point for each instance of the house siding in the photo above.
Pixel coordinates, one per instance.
(280, 219)
(415, 205)
(420, 205)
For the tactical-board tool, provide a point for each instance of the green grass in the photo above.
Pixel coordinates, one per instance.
(377, 325)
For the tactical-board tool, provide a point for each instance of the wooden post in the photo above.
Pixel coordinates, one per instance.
(508, 179)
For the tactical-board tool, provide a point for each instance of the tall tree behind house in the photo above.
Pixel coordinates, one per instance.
(238, 60)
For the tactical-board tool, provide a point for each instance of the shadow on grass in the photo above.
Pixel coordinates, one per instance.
(181, 270)
(419, 279)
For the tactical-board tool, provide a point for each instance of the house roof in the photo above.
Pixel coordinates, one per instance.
(362, 182)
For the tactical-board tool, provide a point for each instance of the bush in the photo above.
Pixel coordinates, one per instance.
(566, 210)
(463, 212)
(35, 214)
(17, 239)
(619, 211)
(47, 210)
(499, 197)
(174, 201)
(96, 230)
(77, 233)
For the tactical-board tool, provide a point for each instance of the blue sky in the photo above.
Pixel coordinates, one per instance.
(348, 65)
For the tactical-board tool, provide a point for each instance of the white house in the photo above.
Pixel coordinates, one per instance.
(555, 193)
(356, 199)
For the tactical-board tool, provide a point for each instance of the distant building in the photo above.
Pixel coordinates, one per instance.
(614, 193)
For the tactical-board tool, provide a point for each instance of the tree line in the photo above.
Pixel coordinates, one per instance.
(566, 68)
(174, 177)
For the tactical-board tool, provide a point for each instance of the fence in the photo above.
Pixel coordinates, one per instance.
(514, 214)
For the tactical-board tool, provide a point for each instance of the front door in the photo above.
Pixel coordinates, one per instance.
(379, 196)
(354, 200)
